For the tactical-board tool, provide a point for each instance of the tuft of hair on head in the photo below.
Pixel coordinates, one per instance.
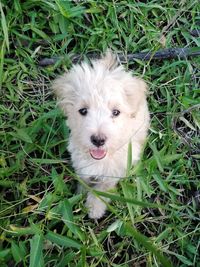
(64, 91)
(109, 60)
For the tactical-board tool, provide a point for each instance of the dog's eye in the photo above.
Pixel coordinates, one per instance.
(115, 112)
(83, 111)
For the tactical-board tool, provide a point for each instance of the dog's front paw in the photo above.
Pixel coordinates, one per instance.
(96, 207)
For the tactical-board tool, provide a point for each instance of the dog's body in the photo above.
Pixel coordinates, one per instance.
(106, 109)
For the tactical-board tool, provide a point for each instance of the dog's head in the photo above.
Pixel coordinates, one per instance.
(100, 100)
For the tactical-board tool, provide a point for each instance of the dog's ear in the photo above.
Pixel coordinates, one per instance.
(64, 92)
(109, 60)
(135, 90)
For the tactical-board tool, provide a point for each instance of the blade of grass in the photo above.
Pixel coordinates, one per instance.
(4, 27)
(63, 240)
(133, 201)
(36, 255)
(68, 219)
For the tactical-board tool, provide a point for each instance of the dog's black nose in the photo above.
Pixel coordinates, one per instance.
(98, 140)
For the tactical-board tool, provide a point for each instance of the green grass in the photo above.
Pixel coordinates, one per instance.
(154, 217)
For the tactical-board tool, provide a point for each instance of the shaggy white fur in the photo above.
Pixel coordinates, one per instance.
(106, 109)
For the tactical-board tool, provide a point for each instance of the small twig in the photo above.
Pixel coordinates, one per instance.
(167, 53)
(195, 33)
(48, 61)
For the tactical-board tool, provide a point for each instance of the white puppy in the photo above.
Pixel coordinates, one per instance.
(106, 109)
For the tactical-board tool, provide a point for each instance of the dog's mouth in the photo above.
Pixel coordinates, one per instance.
(98, 153)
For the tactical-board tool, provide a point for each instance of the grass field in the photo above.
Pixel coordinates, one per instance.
(154, 218)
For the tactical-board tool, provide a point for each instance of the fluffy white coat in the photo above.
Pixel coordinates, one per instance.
(106, 109)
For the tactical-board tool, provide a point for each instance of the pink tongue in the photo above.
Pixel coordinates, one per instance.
(98, 153)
